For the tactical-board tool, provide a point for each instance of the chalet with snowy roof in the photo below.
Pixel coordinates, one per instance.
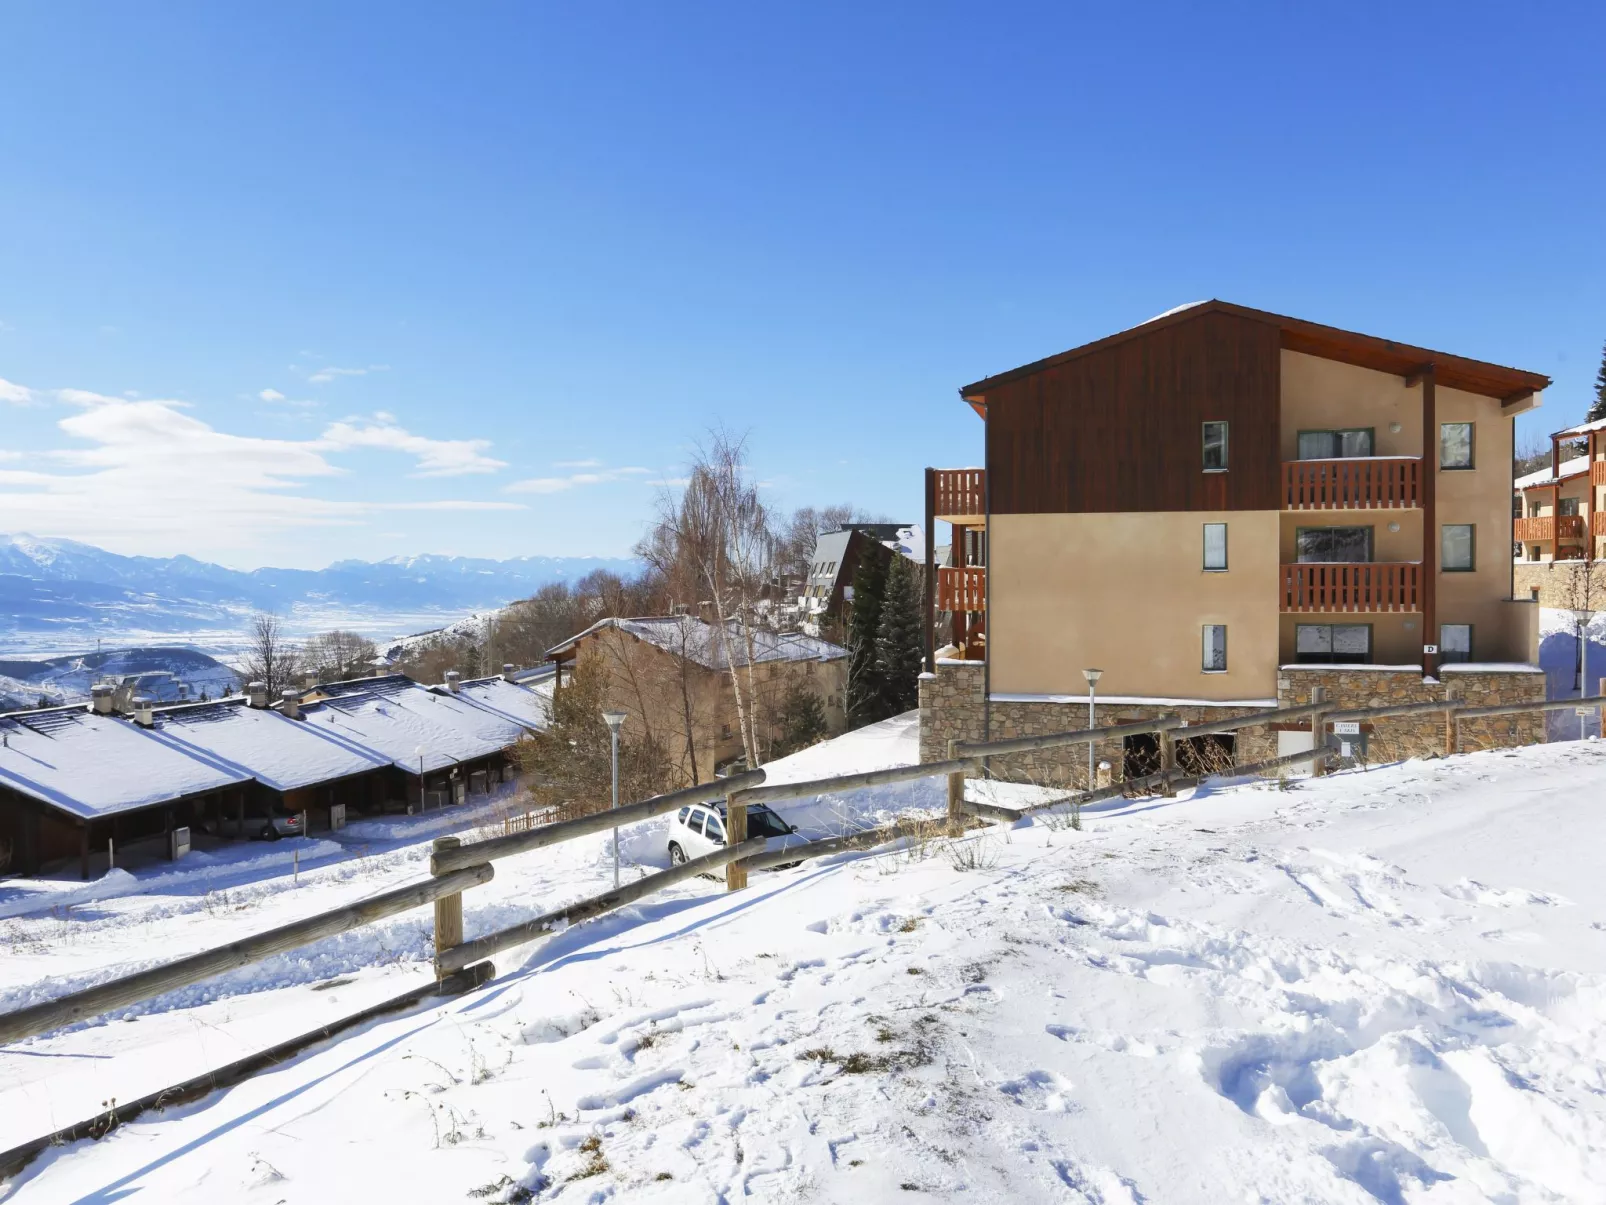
(837, 556)
(1557, 512)
(74, 778)
(527, 706)
(674, 672)
(440, 747)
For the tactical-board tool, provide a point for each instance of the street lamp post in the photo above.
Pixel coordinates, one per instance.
(615, 720)
(1092, 676)
(1583, 617)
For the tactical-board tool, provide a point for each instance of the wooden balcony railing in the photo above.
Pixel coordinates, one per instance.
(1550, 527)
(1600, 521)
(962, 589)
(1371, 587)
(961, 496)
(1360, 484)
(1597, 473)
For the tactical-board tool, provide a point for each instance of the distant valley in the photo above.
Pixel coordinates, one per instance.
(61, 597)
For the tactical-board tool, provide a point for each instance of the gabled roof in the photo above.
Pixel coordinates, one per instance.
(708, 646)
(1312, 338)
(93, 765)
(278, 752)
(397, 717)
(517, 704)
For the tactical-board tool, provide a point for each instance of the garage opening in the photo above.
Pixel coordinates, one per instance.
(1213, 753)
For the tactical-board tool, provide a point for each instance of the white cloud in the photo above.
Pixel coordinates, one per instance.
(436, 457)
(147, 474)
(274, 398)
(556, 485)
(271, 395)
(577, 464)
(329, 372)
(17, 395)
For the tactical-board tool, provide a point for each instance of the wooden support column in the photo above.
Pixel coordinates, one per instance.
(735, 834)
(448, 911)
(930, 585)
(83, 851)
(1430, 521)
(961, 633)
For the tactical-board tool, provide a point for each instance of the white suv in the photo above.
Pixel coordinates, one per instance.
(700, 830)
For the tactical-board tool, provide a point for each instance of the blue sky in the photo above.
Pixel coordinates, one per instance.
(291, 283)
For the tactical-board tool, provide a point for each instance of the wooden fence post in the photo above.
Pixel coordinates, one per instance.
(1452, 727)
(735, 834)
(1168, 761)
(1603, 709)
(448, 912)
(956, 794)
(1318, 731)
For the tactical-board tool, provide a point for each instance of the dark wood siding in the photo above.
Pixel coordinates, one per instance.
(1119, 429)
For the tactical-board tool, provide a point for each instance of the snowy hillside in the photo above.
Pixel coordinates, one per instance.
(1385, 985)
(68, 679)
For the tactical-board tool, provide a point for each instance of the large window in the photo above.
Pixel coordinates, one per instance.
(1567, 506)
(1335, 445)
(1215, 447)
(1333, 643)
(1455, 445)
(1457, 552)
(1455, 642)
(1215, 547)
(1215, 648)
(1329, 544)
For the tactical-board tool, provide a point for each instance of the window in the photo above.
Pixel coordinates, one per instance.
(1215, 447)
(1215, 547)
(696, 824)
(1455, 642)
(1455, 445)
(1567, 506)
(1320, 545)
(725, 732)
(1456, 548)
(1334, 445)
(716, 831)
(1215, 648)
(683, 813)
(1332, 643)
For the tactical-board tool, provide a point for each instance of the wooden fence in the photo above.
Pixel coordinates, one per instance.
(456, 866)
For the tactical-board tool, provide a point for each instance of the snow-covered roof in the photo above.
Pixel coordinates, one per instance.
(1583, 428)
(518, 704)
(709, 646)
(1569, 468)
(397, 717)
(278, 752)
(97, 765)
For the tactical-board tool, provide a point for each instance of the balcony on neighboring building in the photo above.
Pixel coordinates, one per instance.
(960, 497)
(1353, 483)
(1537, 529)
(1348, 587)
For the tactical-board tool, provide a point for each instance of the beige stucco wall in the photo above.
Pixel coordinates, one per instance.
(1480, 496)
(1324, 395)
(1127, 593)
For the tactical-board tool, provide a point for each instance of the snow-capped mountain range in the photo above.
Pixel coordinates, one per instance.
(60, 595)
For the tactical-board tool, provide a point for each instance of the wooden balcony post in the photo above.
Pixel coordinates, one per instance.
(929, 586)
(1430, 519)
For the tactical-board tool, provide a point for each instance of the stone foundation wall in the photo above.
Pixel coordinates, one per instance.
(951, 709)
(1558, 584)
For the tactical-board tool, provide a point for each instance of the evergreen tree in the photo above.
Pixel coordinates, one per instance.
(900, 640)
(865, 704)
(801, 721)
(1598, 410)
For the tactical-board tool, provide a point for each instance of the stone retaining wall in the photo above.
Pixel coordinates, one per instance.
(951, 709)
(1558, 584)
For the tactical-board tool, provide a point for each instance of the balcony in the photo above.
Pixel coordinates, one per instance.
(1539, 528)
(961, 497)
(1328, 588)
(962, 590)
(1372, 483)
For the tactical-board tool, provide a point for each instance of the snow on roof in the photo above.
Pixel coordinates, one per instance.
(517, 704)
(1584, 428)
(709, 646)
(397, 717)
(97, 765)
(278, 752)
(1569, 468)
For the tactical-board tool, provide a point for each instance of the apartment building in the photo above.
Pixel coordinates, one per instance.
(1222, 509)
(1556, 511)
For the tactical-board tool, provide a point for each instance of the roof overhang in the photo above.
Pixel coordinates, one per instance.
(1515, 387)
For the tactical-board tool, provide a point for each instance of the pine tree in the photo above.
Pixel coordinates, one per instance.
(1598, 410)
(900, 640)
(864, 678)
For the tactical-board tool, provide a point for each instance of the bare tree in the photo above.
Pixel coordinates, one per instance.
(270, 657)
(1581, 595)
(338, 654)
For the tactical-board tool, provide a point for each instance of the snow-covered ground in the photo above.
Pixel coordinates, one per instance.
(1385, 985)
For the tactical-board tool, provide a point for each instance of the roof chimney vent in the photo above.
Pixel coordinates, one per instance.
(101, 698)
(290, 706)
(256, 694)
(309, 680)
(144, 713)
(452, 680)
(508, 670)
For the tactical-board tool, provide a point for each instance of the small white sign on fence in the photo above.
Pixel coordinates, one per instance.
(1346, 728)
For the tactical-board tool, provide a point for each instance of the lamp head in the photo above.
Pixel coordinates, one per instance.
(615, 720)
(1092, 675)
